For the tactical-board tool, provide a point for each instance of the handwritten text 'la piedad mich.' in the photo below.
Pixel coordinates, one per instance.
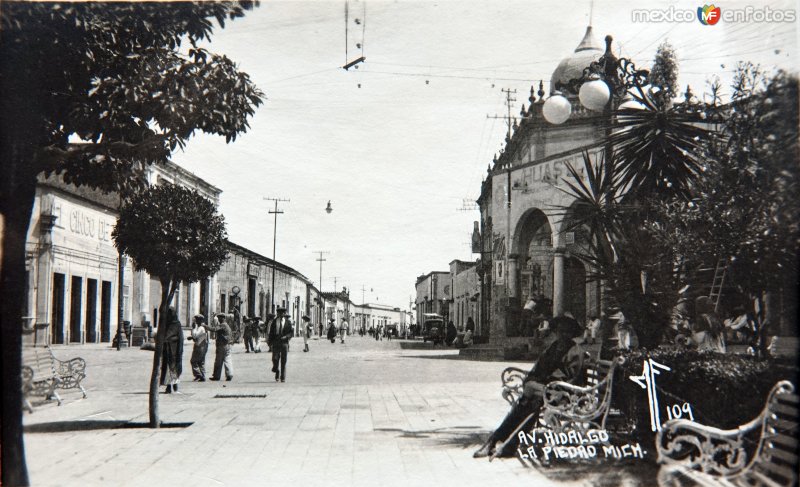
(569, 445)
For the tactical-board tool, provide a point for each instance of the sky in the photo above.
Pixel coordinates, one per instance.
(400, 144)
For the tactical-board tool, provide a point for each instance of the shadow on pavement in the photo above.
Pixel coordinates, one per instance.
(90, 425)
(470, 436)
(455, 356)
(601, 472)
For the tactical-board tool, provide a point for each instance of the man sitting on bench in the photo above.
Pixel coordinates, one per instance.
(561, 360)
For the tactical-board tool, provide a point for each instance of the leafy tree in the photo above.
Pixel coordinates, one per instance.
(664, 73)
(114, 74)
(175, 234)
(745, 207)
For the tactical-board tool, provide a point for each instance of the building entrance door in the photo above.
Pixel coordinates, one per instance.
(57, 328)
(105, 312)
(91, 311)
(76, 293)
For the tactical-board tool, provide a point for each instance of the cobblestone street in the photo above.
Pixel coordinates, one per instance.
(350, 414)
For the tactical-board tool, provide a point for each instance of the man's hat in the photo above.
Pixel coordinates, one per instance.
(567, 326)
(306, 318)
(281, 310)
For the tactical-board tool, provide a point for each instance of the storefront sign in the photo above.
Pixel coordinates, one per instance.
(85, 222)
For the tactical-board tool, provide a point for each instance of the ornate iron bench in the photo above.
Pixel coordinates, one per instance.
(581, 407)
(567, 404)
(43, 373)
(691, 453)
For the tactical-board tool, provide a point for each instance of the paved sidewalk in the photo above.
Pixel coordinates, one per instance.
(362, 413)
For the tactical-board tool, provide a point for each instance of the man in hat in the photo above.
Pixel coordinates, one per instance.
(561, 360)
(332, 330)
(280, 333)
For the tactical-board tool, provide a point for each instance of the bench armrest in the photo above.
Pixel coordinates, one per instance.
(512, 379)
(714, 451)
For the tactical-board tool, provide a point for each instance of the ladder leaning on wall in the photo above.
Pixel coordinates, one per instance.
(719, 280)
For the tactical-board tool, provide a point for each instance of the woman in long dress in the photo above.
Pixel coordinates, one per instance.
(172, 353)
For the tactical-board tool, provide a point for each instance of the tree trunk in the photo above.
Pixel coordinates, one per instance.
(167, 292)
(156, 372)
(17, 193)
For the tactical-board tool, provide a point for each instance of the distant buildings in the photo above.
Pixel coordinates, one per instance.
(73, 276)
(73, 266)
(525, 242)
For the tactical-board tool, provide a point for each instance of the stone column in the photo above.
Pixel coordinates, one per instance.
(558, 282)
(513, 275)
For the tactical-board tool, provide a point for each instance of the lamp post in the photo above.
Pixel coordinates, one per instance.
(604, 83)
(122, 340)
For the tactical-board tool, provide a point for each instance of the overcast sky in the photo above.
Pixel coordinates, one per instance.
(398, 155)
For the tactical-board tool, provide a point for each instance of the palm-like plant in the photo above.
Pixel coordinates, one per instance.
(653, 155)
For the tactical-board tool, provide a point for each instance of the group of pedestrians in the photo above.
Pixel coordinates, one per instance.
(341, 331)
(279, 331)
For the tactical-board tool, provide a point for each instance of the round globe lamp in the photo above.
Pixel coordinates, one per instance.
(594, 95)
(556, 109)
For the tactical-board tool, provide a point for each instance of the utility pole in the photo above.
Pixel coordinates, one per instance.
(275, 212)
(508, 118)
(468, 204)
(509, 100)
(334, 283)
(321, 300)
(321, 260)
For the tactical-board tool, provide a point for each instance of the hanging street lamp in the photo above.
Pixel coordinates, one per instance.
(602, 82)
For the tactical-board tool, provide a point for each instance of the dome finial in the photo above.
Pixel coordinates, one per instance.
(541, 90)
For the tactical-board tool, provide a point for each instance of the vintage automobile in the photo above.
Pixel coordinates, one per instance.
(433, 328)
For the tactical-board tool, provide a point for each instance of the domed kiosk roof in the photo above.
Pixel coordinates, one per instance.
(572, 66)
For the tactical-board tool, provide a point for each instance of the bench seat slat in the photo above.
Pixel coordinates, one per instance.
(783, 425)
(785, 441)
(784, 410)
(785, 475)
(763, 480)
(789, 457)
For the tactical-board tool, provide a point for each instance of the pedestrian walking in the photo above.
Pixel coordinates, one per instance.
(173, 352)
(256, 332)
(266, 328)
(332, 331)
(248, 336)
(343, 329)
(281, 332)
(308, 329)
(223, 348)
(200, 339)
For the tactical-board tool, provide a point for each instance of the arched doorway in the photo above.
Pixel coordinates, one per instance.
(533, 250)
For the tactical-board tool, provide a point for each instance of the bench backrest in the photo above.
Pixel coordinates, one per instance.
(777, 458)
(597, 373)
(39, 361)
